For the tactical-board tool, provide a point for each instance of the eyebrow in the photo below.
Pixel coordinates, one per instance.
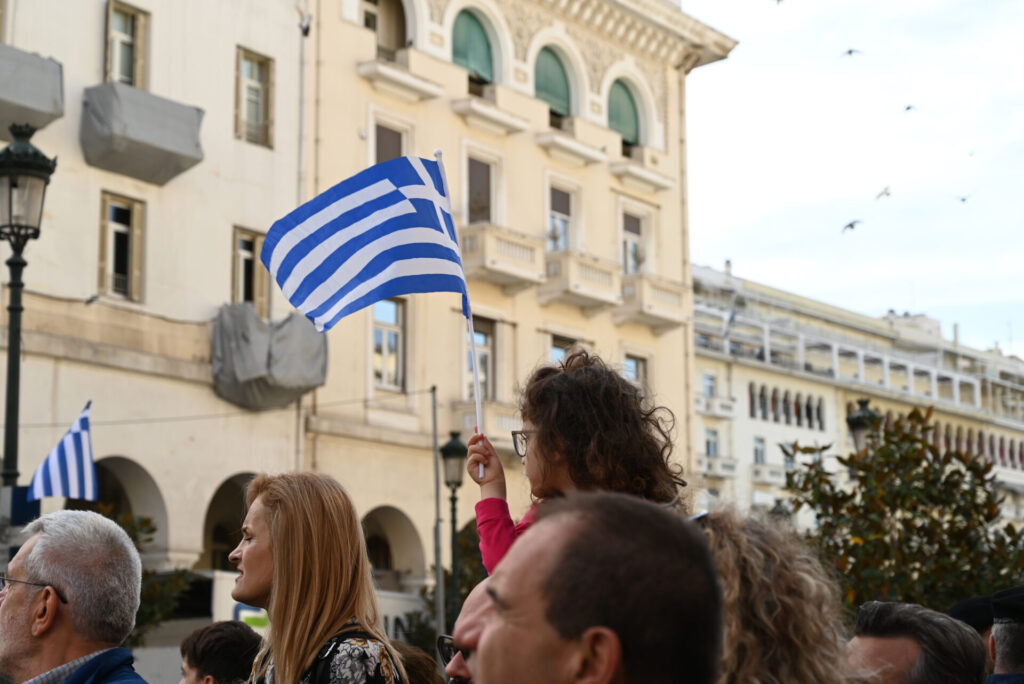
(495, 598)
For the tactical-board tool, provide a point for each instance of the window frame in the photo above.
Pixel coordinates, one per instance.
(760, 451)
(711, 443)
(378, 117)
(563, 342)
(488, 389)
(136, 243)
(140, 43)
(242, 124)
(497, 181)
(260, 282)
(401, 351)
(643, 369)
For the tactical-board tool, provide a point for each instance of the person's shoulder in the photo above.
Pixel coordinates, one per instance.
(358, 658)
(110, 667)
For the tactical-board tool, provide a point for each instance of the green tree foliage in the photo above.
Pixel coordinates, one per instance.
(913, 523)
(160, 591)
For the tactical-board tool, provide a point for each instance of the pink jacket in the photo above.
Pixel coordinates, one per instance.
(496, 530)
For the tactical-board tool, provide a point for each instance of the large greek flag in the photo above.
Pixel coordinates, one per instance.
(69, 469)
(386, 231)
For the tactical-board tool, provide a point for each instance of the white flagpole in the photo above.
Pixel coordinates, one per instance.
(469, 319)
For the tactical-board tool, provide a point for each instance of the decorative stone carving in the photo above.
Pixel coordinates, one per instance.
(655, 76)
(525, 21)
(437, 9)
(598, 55)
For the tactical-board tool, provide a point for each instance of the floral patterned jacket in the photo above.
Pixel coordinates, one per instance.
(349, 658)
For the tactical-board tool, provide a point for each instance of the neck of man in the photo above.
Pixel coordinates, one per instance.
(59, 647)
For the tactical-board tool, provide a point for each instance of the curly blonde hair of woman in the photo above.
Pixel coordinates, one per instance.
(783, 618)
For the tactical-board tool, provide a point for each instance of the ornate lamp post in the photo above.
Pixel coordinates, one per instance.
(24, 175)
(863, 422)
(454, 455)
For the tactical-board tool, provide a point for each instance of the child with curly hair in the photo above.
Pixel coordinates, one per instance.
(584, 427)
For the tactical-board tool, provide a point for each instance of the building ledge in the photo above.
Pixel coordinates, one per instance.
(486, 116)
(583, 280)
(716, 466)
(31, 89)
(502, 256)
(392, 79)
(651, 301)
(774, 475)
(640, 178)
(567, 149)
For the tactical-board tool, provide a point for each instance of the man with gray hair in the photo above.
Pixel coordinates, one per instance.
(68, 601)
(1006, 642)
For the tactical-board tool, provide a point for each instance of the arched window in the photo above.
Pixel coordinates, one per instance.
(1002, 451)
(775, 405)
(787, 408)
(821, 414)
(970, 441)
(809, 412)
(551, 85)
(798, 410)
(764, 402)
(471, 49)
(623, 117)
(960, 438)
(753, 400)
(937, 435)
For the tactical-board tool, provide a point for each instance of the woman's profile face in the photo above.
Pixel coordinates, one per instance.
(254, 557)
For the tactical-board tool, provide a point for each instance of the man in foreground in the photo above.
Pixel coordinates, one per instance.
(1006, 642)
(69, 600)
(603, 588)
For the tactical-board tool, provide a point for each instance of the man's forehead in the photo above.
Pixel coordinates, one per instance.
(530, 560)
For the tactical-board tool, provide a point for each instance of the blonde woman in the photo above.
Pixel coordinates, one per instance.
(303, 558)
(783, 620)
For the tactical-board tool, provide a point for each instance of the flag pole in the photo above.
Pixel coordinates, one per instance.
(469, 318)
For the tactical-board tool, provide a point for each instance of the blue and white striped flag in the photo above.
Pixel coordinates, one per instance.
(69, 469)
(384, 232)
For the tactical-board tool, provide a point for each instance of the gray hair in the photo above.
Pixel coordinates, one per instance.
(1009, 638)
(93, 563)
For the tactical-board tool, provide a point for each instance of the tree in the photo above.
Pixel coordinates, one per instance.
(913, 524)
(160, 591)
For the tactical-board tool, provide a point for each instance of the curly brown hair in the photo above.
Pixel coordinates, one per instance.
(599, 427)
(783, 617)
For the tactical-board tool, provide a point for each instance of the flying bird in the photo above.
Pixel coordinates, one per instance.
(92, 299)
(909, 108)
(850, 226)
(963, 199)
(884, 193)
(851, 52)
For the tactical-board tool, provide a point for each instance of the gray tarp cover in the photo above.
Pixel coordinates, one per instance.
(31, 89)
(262, 365)
(138, 134)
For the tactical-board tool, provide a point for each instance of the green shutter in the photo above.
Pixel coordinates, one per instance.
(550, 82)
(622, 116)
(470, 47)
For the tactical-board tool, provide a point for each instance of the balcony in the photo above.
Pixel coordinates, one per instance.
(564, 146)
(773, 475)
(139, 134)
(486, 113)
(582, 280)
(502, 256)
(499, 421)
(715, 407)
(716, 466)
(391, 74)
(31, 89)
(651, 301)
(640, 177)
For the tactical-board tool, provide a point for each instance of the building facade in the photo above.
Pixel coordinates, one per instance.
(773, 367)
(184, 129)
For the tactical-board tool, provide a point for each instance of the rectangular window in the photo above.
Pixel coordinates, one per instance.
(254, 98)
(561, 347)
(710, 386)
(635, 369)
(389, 344)
(759, 450)
(126, 44)
(249, 281)
(390, 143)
(632, 246)
(484, 339)
(481, 191)
(790, 461)
(120, 265)
(711, 443)
(559, 220)
(370, 10)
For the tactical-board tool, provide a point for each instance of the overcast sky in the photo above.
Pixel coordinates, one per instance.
(791, 139)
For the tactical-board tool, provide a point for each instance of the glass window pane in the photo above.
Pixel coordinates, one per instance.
(386, 312)
(561, 201)
(551, 83)
(631, 224)
(622, 113)
(479, 191)
(124, 23)
(120, 214)
(471, 49)
(389, 143)
(126, 63)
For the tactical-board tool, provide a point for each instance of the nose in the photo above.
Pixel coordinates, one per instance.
(236, 555)
(457, 669)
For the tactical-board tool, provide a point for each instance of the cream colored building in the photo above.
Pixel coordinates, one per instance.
(184, 129)
(791, 369)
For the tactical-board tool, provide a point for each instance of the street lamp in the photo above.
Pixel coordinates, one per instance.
(24, 175)
(454, 455)
(863, 422)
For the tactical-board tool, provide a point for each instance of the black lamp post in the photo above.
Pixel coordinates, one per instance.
(24, 174)
(454, 455)
(863, 422)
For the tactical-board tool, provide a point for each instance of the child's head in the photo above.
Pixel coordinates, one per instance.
(595, 427)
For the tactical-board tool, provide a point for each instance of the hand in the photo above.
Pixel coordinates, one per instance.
(482, 453)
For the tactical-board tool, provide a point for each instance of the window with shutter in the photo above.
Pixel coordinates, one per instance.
(471, 49)
(622, 114)
(551, 83)
(389, 143)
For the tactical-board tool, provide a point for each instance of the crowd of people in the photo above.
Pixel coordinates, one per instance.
(606, 578)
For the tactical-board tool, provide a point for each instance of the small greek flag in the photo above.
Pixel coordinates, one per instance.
(386, 231)
(69, 469)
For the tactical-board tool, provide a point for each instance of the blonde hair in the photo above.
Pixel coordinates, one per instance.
(322, 577)
(782, 611)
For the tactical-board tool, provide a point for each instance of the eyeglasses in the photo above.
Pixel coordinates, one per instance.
(519, 440)
(447, 649)
(4, 579)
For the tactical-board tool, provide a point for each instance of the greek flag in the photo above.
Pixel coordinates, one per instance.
(386, 231)
(68, 470)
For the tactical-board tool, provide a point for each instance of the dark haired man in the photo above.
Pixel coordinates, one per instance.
(904, 643)
(221, 653)
(603, 588)
(1006, 642)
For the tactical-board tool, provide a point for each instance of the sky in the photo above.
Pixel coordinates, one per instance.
(790, 139)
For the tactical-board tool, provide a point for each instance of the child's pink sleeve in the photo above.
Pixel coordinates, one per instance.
(496, 530)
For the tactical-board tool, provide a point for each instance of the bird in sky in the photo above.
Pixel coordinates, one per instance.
(851, 52)
(850, 226)
(909, 108)
(963, 198)
(884, 193)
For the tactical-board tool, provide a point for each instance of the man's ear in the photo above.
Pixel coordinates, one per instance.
(991, 645)
(208, 679)
(44, 611)
(600, 656)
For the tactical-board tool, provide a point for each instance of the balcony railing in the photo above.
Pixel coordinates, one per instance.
(716, 407)
(502, 256)
(651, 301)
(774, 475)
(581, 279)
(716, 466)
